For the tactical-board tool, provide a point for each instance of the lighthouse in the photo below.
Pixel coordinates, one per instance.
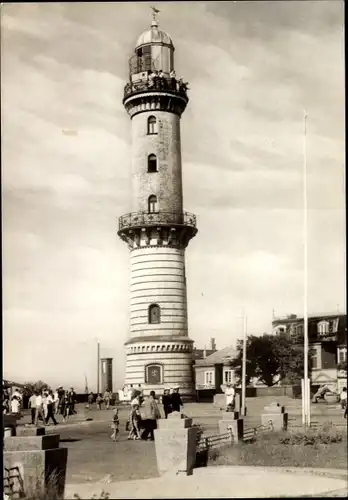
(158, 229)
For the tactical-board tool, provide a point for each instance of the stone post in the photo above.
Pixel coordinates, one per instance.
(175, 444)
(32, 461)
(275, 414)
(231, 421)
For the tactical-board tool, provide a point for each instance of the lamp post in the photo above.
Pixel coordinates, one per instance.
(245, 319)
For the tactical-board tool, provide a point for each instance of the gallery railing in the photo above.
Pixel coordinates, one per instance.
(139, 219)
(156, 84)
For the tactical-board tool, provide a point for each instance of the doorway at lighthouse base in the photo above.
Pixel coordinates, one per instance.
(160, 363)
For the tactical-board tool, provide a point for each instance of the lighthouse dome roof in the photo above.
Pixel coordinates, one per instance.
(154, 35)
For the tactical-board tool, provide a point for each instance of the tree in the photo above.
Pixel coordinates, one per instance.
(270, 358)
(31, 387)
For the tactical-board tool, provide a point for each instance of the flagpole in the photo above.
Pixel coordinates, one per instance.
(306, 391)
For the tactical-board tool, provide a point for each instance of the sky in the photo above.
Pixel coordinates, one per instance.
(252, 68)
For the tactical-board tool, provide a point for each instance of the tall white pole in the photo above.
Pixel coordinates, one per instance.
(305, 277)
(244, 363)
(98, 366)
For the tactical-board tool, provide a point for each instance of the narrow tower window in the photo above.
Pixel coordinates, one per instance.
(153, 204)
(152, 164)
(151, 125)
(154, 314)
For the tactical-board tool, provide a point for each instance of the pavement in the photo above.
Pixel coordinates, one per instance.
(128, 469)
(223, 482)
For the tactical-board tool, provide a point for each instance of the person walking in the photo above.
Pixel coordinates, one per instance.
(15, 405)
(167, 403)
(32, 407)
(90, 400)
(39, 413)
(66, 407)
(151, 415)
(56, 399)
(72, 401)
(115, 424)
(176, 399)
(343, 401)
(50, 408)
(107, 399)
(99, 401)
(44, 403)
(134, 422)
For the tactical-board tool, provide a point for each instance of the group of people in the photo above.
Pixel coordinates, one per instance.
(11, 403)
(108, 398)
(159, 81)
(44, 404)
(145, 412)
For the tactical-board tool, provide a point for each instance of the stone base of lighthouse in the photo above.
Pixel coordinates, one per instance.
(160, 363)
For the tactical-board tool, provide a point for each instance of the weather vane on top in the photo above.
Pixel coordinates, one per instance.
(154, 13)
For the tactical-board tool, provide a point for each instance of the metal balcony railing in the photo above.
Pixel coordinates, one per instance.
(164, 84)
(139, 219)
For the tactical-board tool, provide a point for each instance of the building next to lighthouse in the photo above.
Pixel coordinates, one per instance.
(157, 230)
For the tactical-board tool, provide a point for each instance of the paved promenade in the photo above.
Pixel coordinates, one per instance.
(224, 482)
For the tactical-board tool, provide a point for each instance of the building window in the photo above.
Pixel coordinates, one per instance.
(228, 375)
(153, 204)
(208, 378)
(154, 314)
(152, 164)
(298, 330)
(314, 357)
(104, 367)
(342, 355)
(153, 374)
(151, 125)
(323, 328)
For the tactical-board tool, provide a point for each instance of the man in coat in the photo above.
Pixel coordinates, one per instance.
(176, 399)
(151, 414)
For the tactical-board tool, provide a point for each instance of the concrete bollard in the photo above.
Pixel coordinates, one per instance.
(275, 414)
(175, 444)
(231, 421)
(31, 461)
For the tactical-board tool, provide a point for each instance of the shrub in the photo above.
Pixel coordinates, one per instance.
(311, 438)
(213, 454)
(103, 496)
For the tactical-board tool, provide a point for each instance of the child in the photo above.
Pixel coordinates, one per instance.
(99, 401)
(115, 424)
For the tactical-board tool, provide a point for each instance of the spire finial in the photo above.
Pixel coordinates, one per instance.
(154, 16)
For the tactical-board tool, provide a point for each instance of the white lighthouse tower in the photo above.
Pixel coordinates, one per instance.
(157, 230)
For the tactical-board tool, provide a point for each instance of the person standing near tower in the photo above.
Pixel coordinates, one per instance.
(176, 399)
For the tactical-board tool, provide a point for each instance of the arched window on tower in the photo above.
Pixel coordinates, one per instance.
(151, 125)
(154, 314)
(152, 164)
(153, 204)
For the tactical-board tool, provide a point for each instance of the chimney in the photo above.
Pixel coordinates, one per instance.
(213, 344)
(204, 352)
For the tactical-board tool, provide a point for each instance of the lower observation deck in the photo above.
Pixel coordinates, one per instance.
(172, 227)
